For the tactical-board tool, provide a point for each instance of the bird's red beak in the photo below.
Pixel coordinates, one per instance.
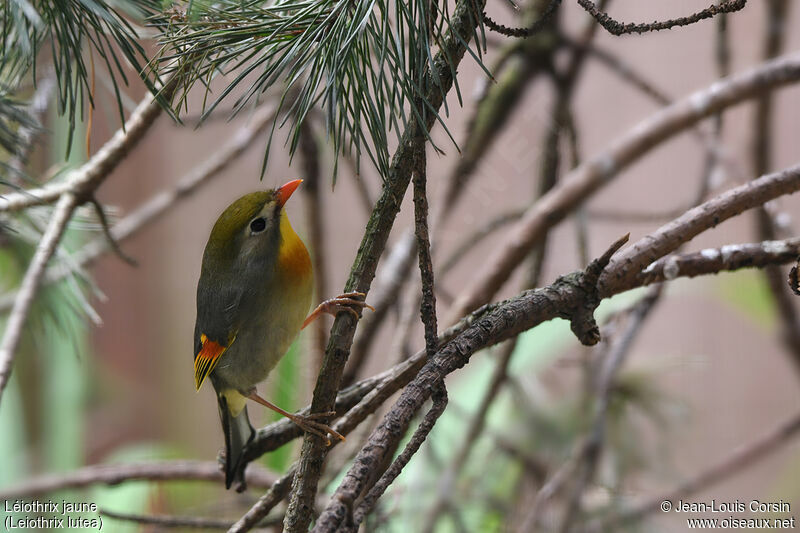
(285, 191)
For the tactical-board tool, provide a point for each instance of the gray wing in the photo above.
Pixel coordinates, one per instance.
(216, 312)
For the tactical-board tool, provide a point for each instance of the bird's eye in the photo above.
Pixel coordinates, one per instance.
(258, 225)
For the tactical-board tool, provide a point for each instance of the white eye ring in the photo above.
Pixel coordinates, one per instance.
(257, 225)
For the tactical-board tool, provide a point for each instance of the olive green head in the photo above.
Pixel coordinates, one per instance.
(248, 229)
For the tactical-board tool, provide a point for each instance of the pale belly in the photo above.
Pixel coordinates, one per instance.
(262, 342)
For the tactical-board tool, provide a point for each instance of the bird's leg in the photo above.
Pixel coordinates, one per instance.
(307, 423)
(350, 302)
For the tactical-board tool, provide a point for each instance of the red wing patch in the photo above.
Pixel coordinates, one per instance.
(206, 359)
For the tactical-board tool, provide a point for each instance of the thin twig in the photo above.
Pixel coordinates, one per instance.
(727, 258)
(113, 245)
(439, 398)
(276, 493)
(91, 174)
(184, 522)
(632, 263)
(620, 28)
(728, 466)
(30, 284)
(591, 447)
(527, 31)
(762, 144)
(316, 229)
(114, 474)
(427, 311)
(475, 427)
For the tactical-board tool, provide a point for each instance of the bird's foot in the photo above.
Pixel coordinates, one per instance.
(307, 423)
(349, 302)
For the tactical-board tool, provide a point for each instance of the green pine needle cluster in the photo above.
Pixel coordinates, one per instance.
(360, 61)
(13, 116)
(76, 36)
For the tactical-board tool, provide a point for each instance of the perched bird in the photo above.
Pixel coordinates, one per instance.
(254, 291)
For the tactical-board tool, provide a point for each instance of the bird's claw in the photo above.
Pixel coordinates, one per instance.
(349, 302)
(317, 428)
(306, 423)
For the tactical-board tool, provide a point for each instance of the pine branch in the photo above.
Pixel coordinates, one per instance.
(67, 29)
(359, 60)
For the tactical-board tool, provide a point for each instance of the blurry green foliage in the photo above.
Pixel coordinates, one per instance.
(747, 291)
(286, 392)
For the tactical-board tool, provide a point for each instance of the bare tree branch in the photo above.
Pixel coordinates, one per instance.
(114, 474)
(528, 31)
(184, 522)
(727, 258)
(581, 182)
(620, 28)
(427, 311)
(439, 398)
(90, 175)
(498, 322)
(631, 263)
(475, 427)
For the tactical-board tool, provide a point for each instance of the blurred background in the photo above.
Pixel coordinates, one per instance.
(707, 374)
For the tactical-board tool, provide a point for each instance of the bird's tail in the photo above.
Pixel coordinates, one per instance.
(238, 434)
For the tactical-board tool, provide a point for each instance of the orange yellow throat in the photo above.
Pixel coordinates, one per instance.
(294, 264)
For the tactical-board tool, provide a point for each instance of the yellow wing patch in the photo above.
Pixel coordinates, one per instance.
(206, 359)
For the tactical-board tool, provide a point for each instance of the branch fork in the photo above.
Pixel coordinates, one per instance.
(581, 313)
